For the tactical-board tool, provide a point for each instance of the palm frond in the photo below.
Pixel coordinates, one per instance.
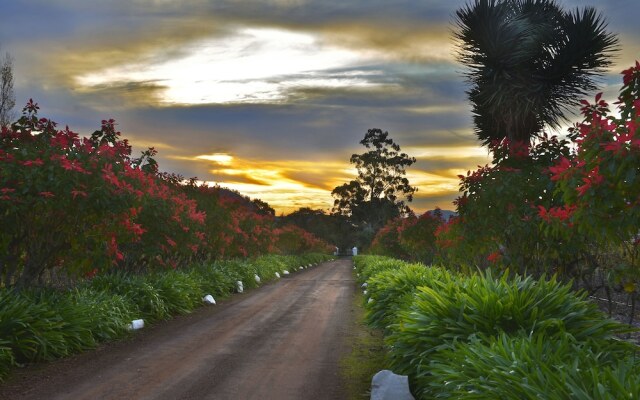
(528, 62)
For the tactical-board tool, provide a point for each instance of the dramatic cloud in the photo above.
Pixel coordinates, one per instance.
(245, 66)
(269, 97)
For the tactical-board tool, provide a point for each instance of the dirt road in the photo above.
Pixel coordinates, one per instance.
(282, 341)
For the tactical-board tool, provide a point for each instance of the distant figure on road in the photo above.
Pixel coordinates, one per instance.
(354, 251)
(337, 251)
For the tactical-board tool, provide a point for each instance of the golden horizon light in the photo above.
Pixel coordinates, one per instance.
(288, 185)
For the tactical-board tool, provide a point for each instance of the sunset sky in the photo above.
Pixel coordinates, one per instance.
(266, 97)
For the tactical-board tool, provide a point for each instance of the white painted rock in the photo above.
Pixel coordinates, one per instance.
(239, 286)
(136, 324)
(386, 385)
(370, 300)
(277, 275)
(208, 299)
(365, 292)
(257, 279)
(364, 285)
(285, 272)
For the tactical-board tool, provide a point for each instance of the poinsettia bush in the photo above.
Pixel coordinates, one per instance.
(291, 239)
(236, 228)
(600, 181)
(85, 204)
(79, 206)
(563, 206)
(410, 238)
(499, 223)
(387, 240)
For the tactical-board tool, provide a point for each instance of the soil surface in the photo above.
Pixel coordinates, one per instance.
(281, 341)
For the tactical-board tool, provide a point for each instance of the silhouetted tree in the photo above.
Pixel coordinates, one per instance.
(7, 96)
(263, 208)
(379, 192)
(333, 229)
(528, 62)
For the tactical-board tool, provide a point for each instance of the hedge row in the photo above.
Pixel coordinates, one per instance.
(44, 324)
(480, 337)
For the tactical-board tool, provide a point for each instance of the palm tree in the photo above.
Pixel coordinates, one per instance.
(528, 63)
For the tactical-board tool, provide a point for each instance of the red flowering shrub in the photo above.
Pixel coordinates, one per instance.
(600, 181)
(500, 213)
(84, 205)
(410, 238)
(235, 226)
(292, 240)
(387, 240)
(419, 239)
(247, 232)
(451, 248)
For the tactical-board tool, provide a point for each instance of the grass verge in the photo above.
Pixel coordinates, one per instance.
(366, 357)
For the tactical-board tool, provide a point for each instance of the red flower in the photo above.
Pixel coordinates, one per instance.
(559, 169)
(559, 213)
(30, 163)
(113, 250)
(46, 194)
(628, 73)
(494, 257)
(91, 273)
(543, 213)
(76, 193)
(616, 147)
(593, 178)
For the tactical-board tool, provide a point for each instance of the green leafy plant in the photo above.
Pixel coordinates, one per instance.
(7, 360)
(533, 367)
(367, 265)
(34, 330)
(146, 298)
(179, 291)
(393, 290)
(480, 337)
(109, 313)
(481, 307)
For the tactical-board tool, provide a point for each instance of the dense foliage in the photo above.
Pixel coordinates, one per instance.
(73, 206)
(477, 337)
(560, 206)
(381, 188)
(411, 237)
(332, 228)
(40, 325)
(600, 183)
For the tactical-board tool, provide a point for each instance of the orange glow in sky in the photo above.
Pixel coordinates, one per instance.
(269, 98)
